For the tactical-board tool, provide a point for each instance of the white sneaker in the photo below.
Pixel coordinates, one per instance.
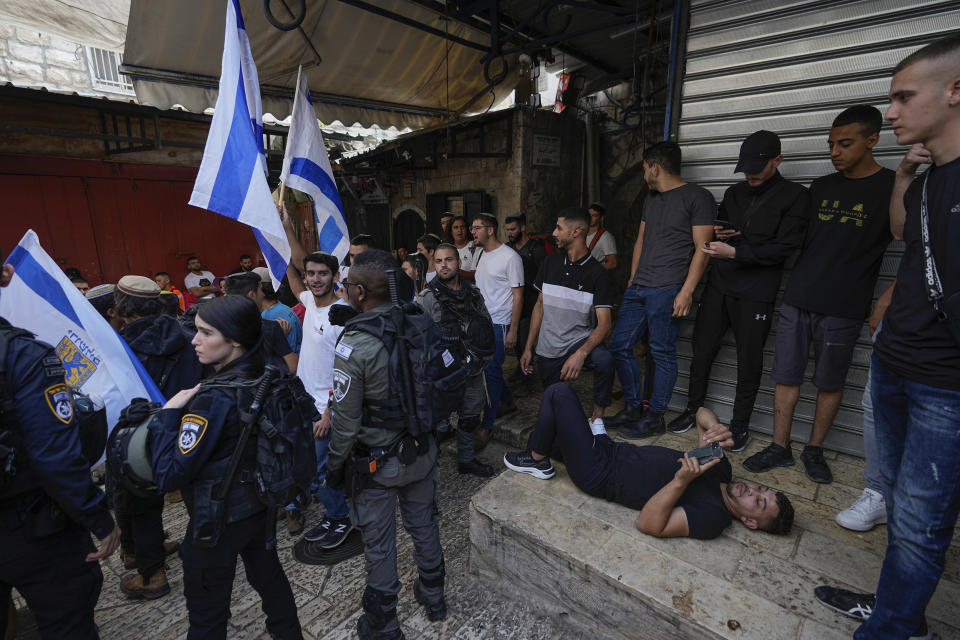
(867, 512)
(596, 426)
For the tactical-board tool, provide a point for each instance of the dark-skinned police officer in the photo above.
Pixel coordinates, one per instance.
(167, 355)
(193, 438)
(361, 391)
(49, 508)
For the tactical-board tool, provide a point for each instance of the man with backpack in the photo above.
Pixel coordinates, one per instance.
(166, 353)
(374, 454)
(457, 305)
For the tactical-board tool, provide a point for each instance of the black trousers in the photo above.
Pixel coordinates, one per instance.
(208, 580)
(52, 575)
(604, 368)
(751, 324)
(141, 523)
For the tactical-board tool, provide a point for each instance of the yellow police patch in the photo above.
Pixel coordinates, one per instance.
(192, 428)
(60, 402)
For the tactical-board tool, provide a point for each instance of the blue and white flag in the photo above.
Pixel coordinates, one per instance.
(306, 168)
(97, 361)
(231, 180)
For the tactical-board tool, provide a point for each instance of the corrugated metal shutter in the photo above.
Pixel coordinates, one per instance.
(791, 67)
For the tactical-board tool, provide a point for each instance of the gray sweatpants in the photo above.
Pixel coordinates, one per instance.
(373, 511)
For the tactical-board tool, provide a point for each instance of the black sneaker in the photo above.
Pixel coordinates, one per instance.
(651, 424)
(436, 611)
(625, 416)
(684, 422)
(816, 466)
(858, 606)
(318, 531)
(475, 467)
(771, 457)
(336, 533)
(740, 438)
(523, 462)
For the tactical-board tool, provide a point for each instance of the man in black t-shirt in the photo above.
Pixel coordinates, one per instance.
(916, 365)
(675, 495)
(829, 292)
(533, 252)
(765, 217)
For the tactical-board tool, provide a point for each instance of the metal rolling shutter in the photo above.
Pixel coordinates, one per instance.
(790, 67)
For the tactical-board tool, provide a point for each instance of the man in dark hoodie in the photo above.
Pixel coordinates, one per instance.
(165, 352)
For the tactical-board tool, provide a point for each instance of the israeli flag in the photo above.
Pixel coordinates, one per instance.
(231, 180)
(97, 361)
(306, 168)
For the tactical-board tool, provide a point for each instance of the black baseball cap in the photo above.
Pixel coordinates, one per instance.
(757, 150)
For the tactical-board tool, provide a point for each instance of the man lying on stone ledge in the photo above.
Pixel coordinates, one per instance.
(676, 496)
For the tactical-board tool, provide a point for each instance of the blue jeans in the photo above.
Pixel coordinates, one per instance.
(646, 308)
(496, 391)
(918, 446)
(332, 500)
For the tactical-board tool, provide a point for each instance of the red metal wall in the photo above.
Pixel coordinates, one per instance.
(112, 219)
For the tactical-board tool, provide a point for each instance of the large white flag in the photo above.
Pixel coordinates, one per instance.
(231, 179)
(306, 167)
(41, 299)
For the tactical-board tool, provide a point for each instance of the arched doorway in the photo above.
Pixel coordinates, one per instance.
(408, 225)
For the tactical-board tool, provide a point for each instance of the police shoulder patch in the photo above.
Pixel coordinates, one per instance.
(192, 428)
(341, 385)
(60, 402)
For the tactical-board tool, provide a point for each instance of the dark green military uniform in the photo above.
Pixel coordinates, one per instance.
(361, 381)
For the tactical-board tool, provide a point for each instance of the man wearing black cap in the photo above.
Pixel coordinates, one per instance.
(829, 292)
(763, 218)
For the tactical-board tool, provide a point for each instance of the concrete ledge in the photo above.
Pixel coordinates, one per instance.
(580, 560)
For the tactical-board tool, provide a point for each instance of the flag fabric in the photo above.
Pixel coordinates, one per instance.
(97, 361)
(231, 180)
(306, 168)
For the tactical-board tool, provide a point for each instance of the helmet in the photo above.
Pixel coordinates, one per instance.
(128, 450)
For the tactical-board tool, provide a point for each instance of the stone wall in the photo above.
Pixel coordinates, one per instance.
(29, 58)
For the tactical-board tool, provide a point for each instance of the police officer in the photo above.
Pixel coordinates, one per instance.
(50, 506)
(166, 353)
(193, 438)
(361, 388)
(458, 305)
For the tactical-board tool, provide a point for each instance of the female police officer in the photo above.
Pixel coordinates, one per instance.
(193, 439)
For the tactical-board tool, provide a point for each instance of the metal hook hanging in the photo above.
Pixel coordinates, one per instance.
(289, 26)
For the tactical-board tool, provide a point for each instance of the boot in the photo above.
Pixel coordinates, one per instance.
(379, 612)
(625, 416)
(436, 611)
(136, 588)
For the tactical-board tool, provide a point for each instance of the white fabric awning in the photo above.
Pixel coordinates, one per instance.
(371, 69)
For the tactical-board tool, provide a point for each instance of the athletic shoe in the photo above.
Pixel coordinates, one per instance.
(627, 415)
(816, 465)
(740, 438)
(868, 511)
(651, 424)
(475, 467)
(684, 422)
(318, 531)
(771, 457)
(858, 606)
(335, 533)
(523, 462)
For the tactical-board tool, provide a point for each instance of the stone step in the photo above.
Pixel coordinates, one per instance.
(580, 560)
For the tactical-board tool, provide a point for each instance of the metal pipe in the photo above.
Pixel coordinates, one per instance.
(680, 11)
(396, 17)
(591, 159)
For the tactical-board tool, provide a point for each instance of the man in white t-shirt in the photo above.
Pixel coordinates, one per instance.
(465, 247)
(600, 242)
(315, 370)
(499, 274)
(199, 282)
(426, 246)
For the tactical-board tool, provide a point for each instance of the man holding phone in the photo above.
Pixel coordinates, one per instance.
(676, 495)
(760, 225)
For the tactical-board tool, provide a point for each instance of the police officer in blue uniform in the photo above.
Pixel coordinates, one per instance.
(193, 438)
(49, 506)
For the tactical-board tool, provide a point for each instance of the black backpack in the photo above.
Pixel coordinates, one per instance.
(283, 423)
(89, 416)
(466, 313)
(426, 365)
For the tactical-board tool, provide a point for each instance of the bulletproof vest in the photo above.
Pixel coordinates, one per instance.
(15, 478)
(462, 313)
(241, 501)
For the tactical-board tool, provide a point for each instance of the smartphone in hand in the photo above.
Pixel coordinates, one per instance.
(724, 224)
(705, 454)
